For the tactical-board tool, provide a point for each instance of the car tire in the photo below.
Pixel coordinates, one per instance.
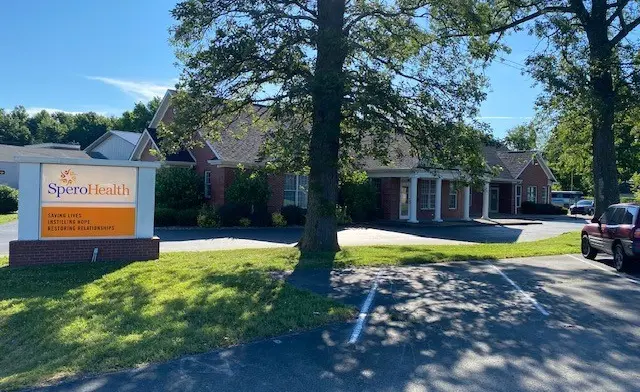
(620, 259)
(588, 251)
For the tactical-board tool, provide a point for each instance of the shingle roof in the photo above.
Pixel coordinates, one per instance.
(515, 161)
(131, 137)
(7, 153)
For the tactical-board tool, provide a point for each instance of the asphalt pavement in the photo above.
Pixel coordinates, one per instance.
(557, 323)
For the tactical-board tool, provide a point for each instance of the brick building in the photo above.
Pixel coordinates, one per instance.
(405, 190)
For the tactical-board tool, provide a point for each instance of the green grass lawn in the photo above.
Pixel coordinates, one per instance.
(63, 320)
(6, 218)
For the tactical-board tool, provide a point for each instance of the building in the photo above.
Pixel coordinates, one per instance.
(405, 191)
(9, 168)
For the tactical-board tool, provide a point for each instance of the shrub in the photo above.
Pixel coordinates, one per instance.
(358, 196)
(278, 220)
(179, 188)
(249, 188)
(342, 217)
(528, 207)
(294, 215)
(175, 217)
(208, 217)
(627, 199)
(231, 213)
(8, 199)
(245, 222)
(261, 217)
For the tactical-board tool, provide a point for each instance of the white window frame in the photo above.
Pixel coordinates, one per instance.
(207, 184)
(453, 191)
(298, 189)
(544, 195)
(518, 196)
(535, 193)
(428, 195)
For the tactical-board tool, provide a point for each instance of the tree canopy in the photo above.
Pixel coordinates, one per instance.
(341, 80)
(522, 137)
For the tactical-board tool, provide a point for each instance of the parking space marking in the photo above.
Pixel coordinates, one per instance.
(525, 295)
(604, 269)
(364, 310)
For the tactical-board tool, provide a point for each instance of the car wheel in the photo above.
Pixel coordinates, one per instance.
(620, 259)
(587, 250)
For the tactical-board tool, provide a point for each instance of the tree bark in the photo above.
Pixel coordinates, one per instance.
(605, 172)
(320, 230)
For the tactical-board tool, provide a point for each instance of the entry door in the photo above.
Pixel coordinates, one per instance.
(494, 199)
(404, 199)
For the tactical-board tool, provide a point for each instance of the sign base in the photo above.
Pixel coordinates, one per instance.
(37, 252)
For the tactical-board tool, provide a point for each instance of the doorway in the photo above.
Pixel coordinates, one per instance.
(494, 199)
(404, 199)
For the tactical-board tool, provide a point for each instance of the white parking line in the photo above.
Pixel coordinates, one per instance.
(525, 295)
(604, 269)
(364, 310)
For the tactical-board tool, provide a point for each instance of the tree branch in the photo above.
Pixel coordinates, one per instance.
(624, 32)
(617, 12)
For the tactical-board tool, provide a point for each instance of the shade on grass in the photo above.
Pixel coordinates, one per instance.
(67, 319)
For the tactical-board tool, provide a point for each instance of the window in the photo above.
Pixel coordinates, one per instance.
(629, 216)
(532, 194)
(617, 217)
(453, 197)
(428, 195)
(544, 195)
(296, 190)
(518, 195)
(207, 185)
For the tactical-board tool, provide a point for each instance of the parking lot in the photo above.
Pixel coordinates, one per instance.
(557, 323)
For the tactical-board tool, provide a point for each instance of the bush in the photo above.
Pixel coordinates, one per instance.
(208, 217)
(8, 199)
(358, 196)
(249, 188)
(627, 199)
(179, 188)
(261, 217)
(175, 217)
(278, 220)
(342, 217)
(231, 213)
(528, 207)
(245, 222)
(294, 215)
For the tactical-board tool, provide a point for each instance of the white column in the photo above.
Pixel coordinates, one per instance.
(413, 200)
(145, 210)
(467, 203)
(485, 201)
(438, 211)
(29, 201)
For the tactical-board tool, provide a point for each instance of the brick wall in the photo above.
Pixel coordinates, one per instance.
(276, 185)
(73, 251)
(533, 175)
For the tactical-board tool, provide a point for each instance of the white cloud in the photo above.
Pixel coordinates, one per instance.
(502, 118)
(139, 90)
(33, 110)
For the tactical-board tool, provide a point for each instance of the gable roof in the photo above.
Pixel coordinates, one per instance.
(180, 156)
(515, 161)
(129, 137)
(8, 152)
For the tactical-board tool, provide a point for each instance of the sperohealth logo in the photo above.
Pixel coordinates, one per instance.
(68, 178)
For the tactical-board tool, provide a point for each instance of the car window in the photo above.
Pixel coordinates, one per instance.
(618, 216)
(584, 202)
(630, 215)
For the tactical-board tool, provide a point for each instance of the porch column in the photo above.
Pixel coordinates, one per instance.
(467, 203)
(437, 216)
(413, 200)
(485, 201)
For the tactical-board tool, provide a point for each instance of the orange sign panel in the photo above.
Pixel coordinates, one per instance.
(69, 222)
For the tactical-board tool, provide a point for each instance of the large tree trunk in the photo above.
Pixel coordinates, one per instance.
(605, 172)
(320, 230)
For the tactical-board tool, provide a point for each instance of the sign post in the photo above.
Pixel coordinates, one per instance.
(72, 210)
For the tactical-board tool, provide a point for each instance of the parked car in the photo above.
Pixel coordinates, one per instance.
(616, 232)
(585, 207)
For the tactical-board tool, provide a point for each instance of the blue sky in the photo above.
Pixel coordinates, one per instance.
(105, 55)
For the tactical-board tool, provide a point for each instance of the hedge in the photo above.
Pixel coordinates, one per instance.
(8, 199)
(528, 207)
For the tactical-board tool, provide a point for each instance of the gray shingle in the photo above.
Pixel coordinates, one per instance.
(7, 153)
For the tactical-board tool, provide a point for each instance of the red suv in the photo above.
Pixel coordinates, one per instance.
(616, 232)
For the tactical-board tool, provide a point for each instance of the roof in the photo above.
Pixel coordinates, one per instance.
(7, 152)
(180, 156)
(515, 161)
(131, 137)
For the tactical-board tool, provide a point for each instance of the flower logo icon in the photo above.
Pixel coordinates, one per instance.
(68, 177)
